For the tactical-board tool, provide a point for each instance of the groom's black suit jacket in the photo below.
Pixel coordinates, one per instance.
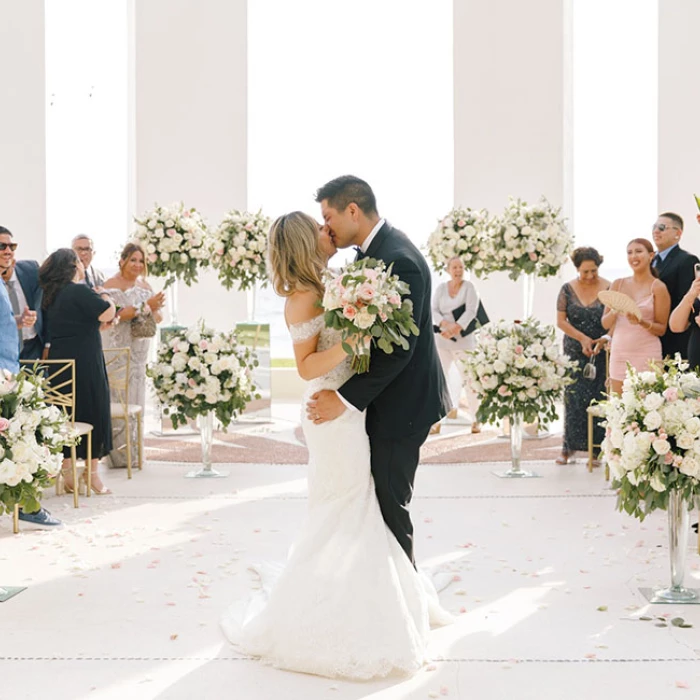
(404, 392)
(677, 272)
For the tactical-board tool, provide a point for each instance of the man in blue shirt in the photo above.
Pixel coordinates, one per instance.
(9, 360)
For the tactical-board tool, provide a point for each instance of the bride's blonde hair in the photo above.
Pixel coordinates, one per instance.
(295, 261)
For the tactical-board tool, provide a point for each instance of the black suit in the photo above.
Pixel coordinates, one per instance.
(28, 276)
(404, 393)
(677, 272)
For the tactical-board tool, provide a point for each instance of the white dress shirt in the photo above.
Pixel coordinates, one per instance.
(28, 332)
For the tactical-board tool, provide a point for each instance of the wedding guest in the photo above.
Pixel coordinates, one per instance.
(74, 313)
(9, 361)
(137, 304)
(686, 317)
(579, 314)
(637, 341)
(22, 280)
(84, 247)
(454, 306)
(676, 270)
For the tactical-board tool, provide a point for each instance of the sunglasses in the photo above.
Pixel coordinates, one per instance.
(11, 246)
(663, 227)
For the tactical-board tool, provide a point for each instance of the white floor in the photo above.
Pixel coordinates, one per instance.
(124, 601)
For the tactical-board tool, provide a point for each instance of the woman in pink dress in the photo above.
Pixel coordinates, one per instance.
(637, 341)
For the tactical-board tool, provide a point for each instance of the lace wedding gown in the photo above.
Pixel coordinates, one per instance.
(348, 603)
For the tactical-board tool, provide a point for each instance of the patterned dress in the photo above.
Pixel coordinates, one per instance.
(119, 336)
(578, 396)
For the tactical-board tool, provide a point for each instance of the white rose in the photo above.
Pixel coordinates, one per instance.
(692, 425)
(685, 441)
(657, 483)
(690, 466)
(652, 420)
(499, 366)
(653, 401)
(661, 447)
(364, 319)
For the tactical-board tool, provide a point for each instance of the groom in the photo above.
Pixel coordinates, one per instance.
(405, 392)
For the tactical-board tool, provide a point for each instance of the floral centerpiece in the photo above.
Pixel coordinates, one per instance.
(364, 301)
(32, 436)
(518, 369)
(199, 371)
(240, 249)
(176, 242)
(529, 239)
(463, 233)
(652, 446)
(652, 440)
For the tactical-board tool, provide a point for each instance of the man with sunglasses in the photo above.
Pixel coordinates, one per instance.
(10, 346)
(22, 282)
(676, 268)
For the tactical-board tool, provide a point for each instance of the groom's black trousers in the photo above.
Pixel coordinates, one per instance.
(394, 464)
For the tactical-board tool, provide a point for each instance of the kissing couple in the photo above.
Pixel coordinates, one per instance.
(350, 602)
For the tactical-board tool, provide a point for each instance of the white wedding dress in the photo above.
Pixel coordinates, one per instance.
(348, 603)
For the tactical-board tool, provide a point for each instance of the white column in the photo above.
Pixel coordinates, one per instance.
(679, 114)
(189, 130)
(512, 101)
(23, 125)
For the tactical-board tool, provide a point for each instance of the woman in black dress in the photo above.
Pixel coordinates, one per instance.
(75, 312)
(578, 314)
(687, 314)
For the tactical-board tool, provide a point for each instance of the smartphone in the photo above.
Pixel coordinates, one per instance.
(697, 270)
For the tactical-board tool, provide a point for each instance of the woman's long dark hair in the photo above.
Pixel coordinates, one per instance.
(55, 273)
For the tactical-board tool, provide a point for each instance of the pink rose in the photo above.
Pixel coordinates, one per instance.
(4, 424)
(170, 232)
(152, 257)
(533, 256)
(519, 349)
(503, 390)
(192, 383)
(366, 291)
(671, 394)
(668, 458)
(349, 312)
(203, 344)
(395, 300)
(461, 223)
(383, 316)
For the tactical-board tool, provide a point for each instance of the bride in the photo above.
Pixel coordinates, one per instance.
(349, 602)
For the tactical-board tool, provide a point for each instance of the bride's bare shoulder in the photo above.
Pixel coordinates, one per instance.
(302, 306)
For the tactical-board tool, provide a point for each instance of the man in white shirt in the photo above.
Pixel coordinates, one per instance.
(83, 246)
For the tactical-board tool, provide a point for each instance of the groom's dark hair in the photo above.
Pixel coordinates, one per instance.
(345, 189)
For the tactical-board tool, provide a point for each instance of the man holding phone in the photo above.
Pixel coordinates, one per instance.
(676, 268)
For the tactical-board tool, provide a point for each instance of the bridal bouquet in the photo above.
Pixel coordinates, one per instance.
(240, 249)
(517, 368)
(198, 371)
(176, 242)
(652, 437)
(364, 301)
(529, 239)
(32, 436)
(463, 233)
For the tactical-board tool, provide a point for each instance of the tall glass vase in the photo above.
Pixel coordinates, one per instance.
(678, 548)
(206, 431)
(252, 300)
(172, 304)
(528, 295)
(516, 443)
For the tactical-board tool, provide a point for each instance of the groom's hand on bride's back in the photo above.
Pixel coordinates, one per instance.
(324, 406)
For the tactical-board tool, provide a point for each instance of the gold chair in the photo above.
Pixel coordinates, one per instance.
(118, 362)
(60, 391)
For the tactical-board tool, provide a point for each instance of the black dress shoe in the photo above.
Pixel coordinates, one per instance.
(695, 527)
